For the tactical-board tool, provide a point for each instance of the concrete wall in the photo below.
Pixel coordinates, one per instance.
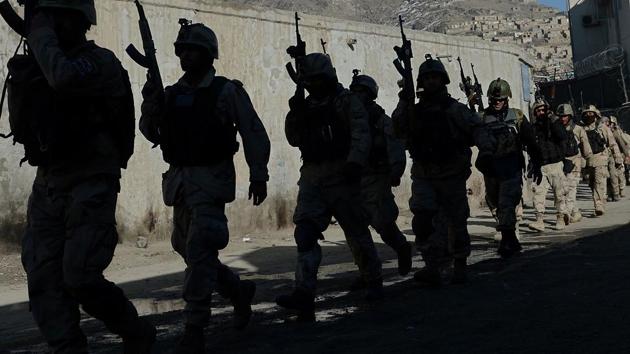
(612, 26)
(252, 49)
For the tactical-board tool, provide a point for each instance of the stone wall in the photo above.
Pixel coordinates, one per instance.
(252, 50)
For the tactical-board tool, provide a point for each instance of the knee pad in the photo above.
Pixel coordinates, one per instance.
(209, 231)
(306, 236)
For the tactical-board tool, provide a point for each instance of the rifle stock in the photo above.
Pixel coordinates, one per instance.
(12, 19)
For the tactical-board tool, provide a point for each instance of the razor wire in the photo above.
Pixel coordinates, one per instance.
(608, 59)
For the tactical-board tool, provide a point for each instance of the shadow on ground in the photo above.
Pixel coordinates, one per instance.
(570, 298)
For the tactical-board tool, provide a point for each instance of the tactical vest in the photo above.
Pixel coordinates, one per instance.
(597, 141)
(379, 157)
(326, 134)
(192, 134)
(551, 151)
(572, 147)
(505, 132)
(435, 140)
(58, 128)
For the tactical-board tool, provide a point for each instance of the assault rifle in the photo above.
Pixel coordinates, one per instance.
(466, 86)
(148, 60)
(478, 90)
(297, 52)
(321, 40)
(404, 54)
(403, 64)
(18, 24)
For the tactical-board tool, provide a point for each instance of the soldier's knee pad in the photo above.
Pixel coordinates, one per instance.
(209, 231)
(306, 236)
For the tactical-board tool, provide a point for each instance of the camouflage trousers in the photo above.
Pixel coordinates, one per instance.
(617, 179)
(380, 206)
(572, 182)
(69, 241)
(504, 197)
(316, 205)
(554, 178)
(597, 181)
(200, 231)
(441, 212)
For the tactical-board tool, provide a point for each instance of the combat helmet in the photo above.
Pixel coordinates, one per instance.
(198, 35)
(593, 109)
(86, 7)
(432, 66)
(499, 89)
(365, 81)
(565, 109)
(540, 102)
(317, 64)
(614, 120)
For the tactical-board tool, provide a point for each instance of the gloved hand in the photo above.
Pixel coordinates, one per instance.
(353, 172)
(150, 92)
(297, 103)
(535, 174)
(568, 166)
(258, 192)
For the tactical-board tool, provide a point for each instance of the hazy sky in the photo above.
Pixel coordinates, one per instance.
(561, 4)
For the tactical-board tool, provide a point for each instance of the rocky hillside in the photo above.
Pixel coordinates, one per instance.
(540, 30)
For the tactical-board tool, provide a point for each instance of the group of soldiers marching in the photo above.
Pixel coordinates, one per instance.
(353, 154)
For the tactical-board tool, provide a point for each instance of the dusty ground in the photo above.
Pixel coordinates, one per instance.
(567, 293)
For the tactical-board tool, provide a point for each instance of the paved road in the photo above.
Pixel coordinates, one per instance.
(569, 292)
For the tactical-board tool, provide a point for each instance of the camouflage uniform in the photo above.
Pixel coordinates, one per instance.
(385, 168)
(502, 165)
(551, 139)
(439, 137)
(624, 148)
(326, 190)
(71, 229)
(578, 149)
(597, 164)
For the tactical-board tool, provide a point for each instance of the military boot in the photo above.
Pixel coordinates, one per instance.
(560, 222)
(539, 224)
(429, 276)
(374, 291)
(143, 341)
(192, 341)
(243, 304)
(300, 301)
(599, 211)
(509, 245)
(460, 272)
(576, 216)
(404, 259)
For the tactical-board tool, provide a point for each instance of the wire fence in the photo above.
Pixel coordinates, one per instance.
(608, 59)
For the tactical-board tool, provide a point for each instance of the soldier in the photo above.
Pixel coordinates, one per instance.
(331, 129)
(578, 149)
(82, 120)
(624, 148)
(602, 143)
(196, 122)
(551, 139)
(502, 165)
(385, 168)
(439, 135)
